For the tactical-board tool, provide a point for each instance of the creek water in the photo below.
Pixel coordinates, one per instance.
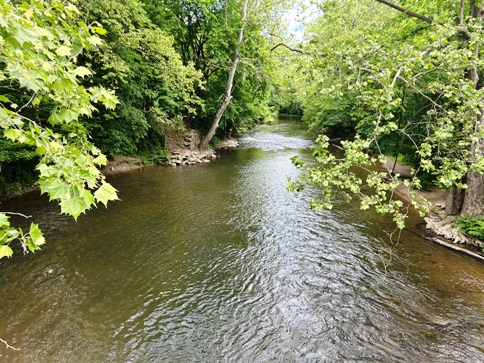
(220, 263)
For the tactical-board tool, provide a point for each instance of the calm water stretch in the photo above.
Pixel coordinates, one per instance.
(219, 263)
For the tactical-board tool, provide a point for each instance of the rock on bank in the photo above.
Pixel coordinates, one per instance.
(183, 149)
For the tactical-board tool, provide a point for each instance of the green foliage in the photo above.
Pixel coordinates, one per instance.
(473, 226)
(42, 105)
(205, 33)
(17, 164)
(336, 178)
(403, 83)
(31, 241)
(156, 90)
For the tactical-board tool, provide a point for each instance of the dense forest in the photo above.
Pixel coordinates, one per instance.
(82, 82)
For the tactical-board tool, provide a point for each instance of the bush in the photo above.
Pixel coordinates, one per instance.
(473, 226)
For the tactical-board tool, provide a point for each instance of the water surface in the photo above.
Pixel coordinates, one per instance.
(220, 263)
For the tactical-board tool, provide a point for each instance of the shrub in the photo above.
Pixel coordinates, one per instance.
(473, 226)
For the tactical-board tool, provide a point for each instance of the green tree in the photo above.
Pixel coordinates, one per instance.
(155, 88)
(207, 32)
(230, 82)
(411, 77)
(41, 103)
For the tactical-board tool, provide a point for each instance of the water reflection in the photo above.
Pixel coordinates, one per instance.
(219, 263)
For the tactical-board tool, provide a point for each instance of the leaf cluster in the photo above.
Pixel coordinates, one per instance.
(473, 226)
(400, 92)
(43, 102)
(155, 88)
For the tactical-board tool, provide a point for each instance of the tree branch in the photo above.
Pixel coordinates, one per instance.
(288, 47)
(409, 12)
(466, 34)
(410, 85)
(17, 214)
(396, 77)
(8, 345)
(277, 36)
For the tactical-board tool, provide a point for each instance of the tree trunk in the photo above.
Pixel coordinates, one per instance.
(230, 82)
(224, 105)
(475, 182)
(473, 195)
(454, 201)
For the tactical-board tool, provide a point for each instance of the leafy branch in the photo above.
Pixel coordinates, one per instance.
(37, 57)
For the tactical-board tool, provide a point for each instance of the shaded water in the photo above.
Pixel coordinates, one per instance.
(219, 263)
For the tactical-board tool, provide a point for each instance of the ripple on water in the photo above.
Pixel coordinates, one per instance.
(219, 263)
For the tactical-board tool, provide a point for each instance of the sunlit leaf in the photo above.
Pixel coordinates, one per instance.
(3, 220)
(5, 251)
(99, 30)
(105, 193)
(74, 206)
(36, 235)
(94, 40)
(82, 72)
(63, 51)
(13, 134)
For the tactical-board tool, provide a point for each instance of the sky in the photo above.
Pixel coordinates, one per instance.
(304, 11)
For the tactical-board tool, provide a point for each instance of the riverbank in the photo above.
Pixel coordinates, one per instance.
(437, 222)
(440, 227)
(121, 164)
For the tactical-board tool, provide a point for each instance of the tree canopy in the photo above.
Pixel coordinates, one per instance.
(155, 88)
(402, 79)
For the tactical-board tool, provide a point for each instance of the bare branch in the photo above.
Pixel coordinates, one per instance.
(396, 76)
(17, 214)
(410, 85)
(466, 34)
(288, 47)
(8, 345)
(28, 103)
(426, 72)
(369, 53)
(276, 36)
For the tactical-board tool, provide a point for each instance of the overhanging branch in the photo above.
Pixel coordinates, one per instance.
(288, 47)
(462, 30)
(409, 12)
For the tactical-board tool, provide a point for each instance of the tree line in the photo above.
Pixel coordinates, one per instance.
(395, 78)
(84, 81)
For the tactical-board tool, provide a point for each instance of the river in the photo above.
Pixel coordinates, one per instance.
(220, 263)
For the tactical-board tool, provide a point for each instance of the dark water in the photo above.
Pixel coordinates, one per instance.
(219, 263)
